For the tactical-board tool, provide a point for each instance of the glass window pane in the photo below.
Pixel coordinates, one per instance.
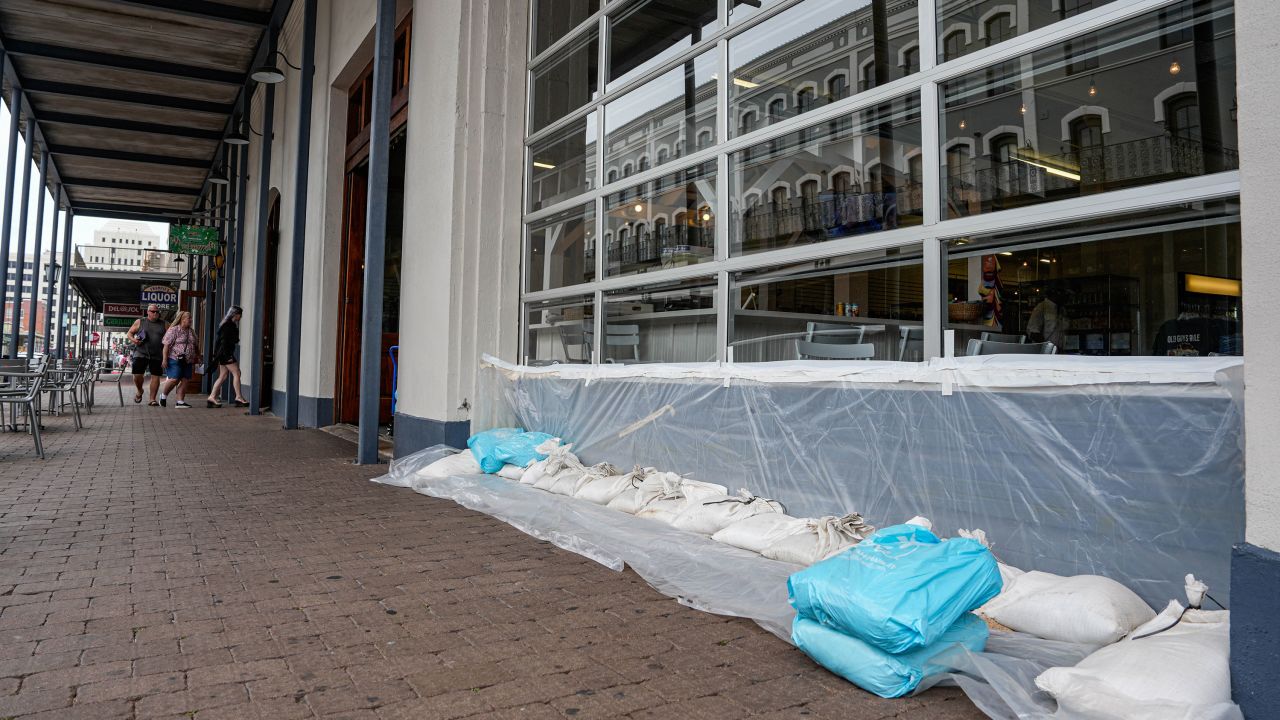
(560, 331)
(1164, 283)
(565, 82)
(853, 175)
(562, 250)
(665, 223)
(662, 120)
(666, 322)
(563, 165)
(648, 33)
(815, 54)
(965, 26)
(1144, 101)
(866, 305)
(553, 19)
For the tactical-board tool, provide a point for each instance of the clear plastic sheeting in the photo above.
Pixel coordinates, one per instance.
(1131, 468)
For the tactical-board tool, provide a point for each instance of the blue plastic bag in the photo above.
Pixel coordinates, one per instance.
(485, 444)
(875, 670)
(520, 450)
(899, 589)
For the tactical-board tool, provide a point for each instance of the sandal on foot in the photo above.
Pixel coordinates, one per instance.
(153, 403)
(137, 398)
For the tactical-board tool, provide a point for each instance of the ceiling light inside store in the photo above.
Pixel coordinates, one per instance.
(745, 83)
(1006, 253)
(543, 165)
(706, 217)
(1045, 260)
(1209, 285)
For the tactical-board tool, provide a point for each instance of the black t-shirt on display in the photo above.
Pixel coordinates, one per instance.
(1189, 337)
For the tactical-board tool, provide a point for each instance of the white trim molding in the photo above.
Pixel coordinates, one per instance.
(1169, 93)
(1082, 111)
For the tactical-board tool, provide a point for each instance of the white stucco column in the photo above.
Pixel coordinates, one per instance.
(463, 189)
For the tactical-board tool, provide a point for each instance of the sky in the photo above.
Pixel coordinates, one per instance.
(82, 231)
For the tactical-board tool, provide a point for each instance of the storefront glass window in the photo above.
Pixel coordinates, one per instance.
(663, 119)
(965, 26)
(843, 178)
(561, 250)
(563, 165)
(783, 67)
(667, 322)
(560, 331)
(665, 223)
(1164, 283)
(1114, 109)
(862, 306)
(553, 19)
(565, 82)
(651, 32)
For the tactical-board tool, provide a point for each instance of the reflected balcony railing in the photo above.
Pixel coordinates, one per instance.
(661, 246)
(831, 214)
(1033, 178)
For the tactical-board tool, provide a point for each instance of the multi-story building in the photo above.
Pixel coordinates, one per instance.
(121, 245)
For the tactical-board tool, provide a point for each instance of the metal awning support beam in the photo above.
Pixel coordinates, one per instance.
(51, 280)
(10, 169)
(172, 102)
(62, 290)
(170, 213)
(23, 211)
(126, 185)
(121, 62)
(110, 123)
(206, 9)
(297, 256)
(35, 253)
(136, 217)
(127, 156)
(376, 234)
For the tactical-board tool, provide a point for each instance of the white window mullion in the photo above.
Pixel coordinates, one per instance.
(931, 154)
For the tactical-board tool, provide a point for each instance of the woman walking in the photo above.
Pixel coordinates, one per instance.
(180, 354)
(224, 357)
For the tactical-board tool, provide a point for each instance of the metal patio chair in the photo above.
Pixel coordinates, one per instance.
(990, 347)
(21, 392)
(834, 333)
(1002, 337)
(826, 351)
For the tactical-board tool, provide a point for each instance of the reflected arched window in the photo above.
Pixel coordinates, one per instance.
(704, 139)
(915, 169)
(1086, 133)
(626, 170)
(643, 163)
(841, 182)
(1182, 116)
(999, 28)
(804, 100)
(613, 176)
(780, 196)
(959, 164)
(837, 87)
(809, 191)
(777, 109)
(1004, 147)
(662, 155)
(953, 45)
(911, 60)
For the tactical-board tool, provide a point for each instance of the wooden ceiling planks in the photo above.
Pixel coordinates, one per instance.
(131, 81)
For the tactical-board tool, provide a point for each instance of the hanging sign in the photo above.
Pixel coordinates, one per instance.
(117, 321)
(194, 239)
(159, 294)
(125, 309)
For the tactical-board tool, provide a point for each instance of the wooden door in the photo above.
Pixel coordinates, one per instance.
(270, 288)
(351, 289)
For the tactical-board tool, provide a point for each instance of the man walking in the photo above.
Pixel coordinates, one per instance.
(147, 336)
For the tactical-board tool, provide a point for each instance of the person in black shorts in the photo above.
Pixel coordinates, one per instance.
(147, 336)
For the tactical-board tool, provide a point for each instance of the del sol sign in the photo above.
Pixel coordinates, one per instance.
(159, 294)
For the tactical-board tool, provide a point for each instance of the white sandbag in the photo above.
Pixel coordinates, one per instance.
(603, 490)
(758, 532)
(677, 495)
(568, 483)
(712, 515)
(463, 463)
(1182, 673)
(559, 457)
(821, 538)
(549, 479)
(511, 472)
(1085, 609)
(923, 522)
(646, 489)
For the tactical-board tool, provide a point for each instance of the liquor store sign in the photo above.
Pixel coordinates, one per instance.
(194, 239)
(159, 294)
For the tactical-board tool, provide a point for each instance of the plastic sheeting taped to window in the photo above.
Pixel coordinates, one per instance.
(1128, 468)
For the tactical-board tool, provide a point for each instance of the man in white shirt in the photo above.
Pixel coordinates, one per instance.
(1049, 320)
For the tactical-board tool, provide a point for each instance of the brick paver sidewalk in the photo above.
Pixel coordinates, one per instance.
(168, 563)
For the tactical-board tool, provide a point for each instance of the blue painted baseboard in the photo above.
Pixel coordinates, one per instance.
(415, 433)
(1255, 634)
(312, 412)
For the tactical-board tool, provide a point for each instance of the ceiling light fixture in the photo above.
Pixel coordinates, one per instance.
(543, 165)
(270, 74)
(219, 176)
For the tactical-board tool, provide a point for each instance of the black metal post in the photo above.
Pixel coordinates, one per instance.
(242, 170)
(260, 256)
(63, 312)
(376, 234)
(11, 167)
(51, 280)
(297, 255)
(35, 254)
(23, 211)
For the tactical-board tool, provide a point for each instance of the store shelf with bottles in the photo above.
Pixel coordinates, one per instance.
(1102, 310)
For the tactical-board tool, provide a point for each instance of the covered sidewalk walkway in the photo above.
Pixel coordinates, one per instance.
(207, 564)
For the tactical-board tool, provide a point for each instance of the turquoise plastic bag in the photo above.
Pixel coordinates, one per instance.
(899, 589)
(485, 444)
(877, 671)
(521, 449)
